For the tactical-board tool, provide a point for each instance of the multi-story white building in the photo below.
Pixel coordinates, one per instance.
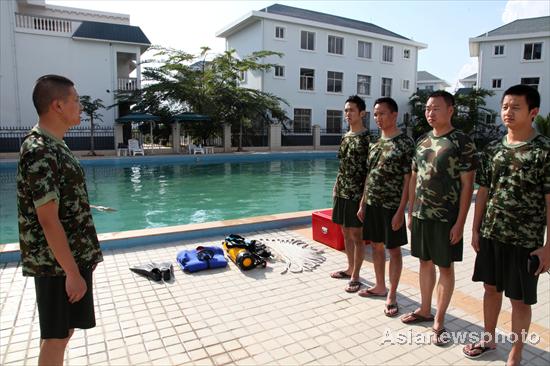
(469, 81)
(99, 51)
(516, 53)
(326, 59)
(429, 82)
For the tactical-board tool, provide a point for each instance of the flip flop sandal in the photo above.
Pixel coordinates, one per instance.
(414, 318)
(442, 337)
(391, 310)
(353, 286)
(370, 293)
(476, 350)
(340, 275)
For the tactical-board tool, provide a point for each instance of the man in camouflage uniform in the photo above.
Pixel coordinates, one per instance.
(382, 208)
(511, 212)
(57, 237)
(440, 194)
(348, 190)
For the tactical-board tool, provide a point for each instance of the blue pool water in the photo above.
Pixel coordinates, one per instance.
(149, 195)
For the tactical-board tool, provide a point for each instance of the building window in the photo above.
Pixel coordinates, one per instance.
(302, 120)
(386, 87)
(429, 88)
(499, 50)
(406, 53)
(406, 84)
(307, 78)
(533, 82)
(334, 81)
(532, 51)
(363, 84)
(364, 49)
(387, 53)
(280, 32)
(336, 45)
(334, 121)
(307, 40)
(497, 83)
(242, 77)
(279, 71)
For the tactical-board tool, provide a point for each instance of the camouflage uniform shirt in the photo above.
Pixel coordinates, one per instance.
(517, 177)
(352, 171)
(389, 160)
(48, 171)
(438, 162)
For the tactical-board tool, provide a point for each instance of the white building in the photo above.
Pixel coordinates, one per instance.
(429, 82)
(469, 81)
(326, 59)
(516, 53)
(99, 51)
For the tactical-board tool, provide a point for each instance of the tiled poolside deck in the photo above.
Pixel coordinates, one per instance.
(254, 318)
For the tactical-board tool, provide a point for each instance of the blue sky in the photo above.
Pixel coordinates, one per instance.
(444, 26)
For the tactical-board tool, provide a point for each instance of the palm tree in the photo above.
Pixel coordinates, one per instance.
(90, 108)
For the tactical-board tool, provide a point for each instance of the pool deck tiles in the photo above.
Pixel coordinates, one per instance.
(259, 317)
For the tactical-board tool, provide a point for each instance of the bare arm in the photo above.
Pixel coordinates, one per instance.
(397, 219)
(465, 199)
(479, 212)
(412, 196)
(544, 252)
(54, 232)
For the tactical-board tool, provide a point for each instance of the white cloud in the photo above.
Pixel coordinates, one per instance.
(518, 9)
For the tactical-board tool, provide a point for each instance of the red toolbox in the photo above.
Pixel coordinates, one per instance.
(325, 231)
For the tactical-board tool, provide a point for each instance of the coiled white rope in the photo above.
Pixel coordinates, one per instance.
(297, 255)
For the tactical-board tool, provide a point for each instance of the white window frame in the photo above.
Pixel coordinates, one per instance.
(243, 77)
(496, 81)
(310, 118)
(369, 84)
(405, 50)
(341, 81)
(531, 77)
(275, 72)
(370, 51)
(532, 51)
(383, 90)
(494, 54)
(405, 87)
(384, 46)
(307, 77)
(314, 40)
(341, 120)
(336, 39)
(283, 38)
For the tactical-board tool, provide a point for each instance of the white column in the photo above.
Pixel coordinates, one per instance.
(227, 137)
(274, 136)
(176, 147)
(316, 137)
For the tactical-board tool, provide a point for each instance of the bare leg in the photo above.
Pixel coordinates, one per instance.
(427, 284)
(349, 248)
(52, 351)
(445, 288)
(356, 236)
(379, 264)
(396, 266)
(521, 320)
(492, 303)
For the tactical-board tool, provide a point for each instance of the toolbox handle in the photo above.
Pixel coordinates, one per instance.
(324, 229)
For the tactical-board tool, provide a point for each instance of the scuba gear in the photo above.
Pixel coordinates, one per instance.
(246, 254)
(201, 258)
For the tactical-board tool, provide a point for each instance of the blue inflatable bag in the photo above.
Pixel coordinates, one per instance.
(201, 258)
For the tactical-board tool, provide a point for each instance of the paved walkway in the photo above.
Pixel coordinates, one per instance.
(258, 317)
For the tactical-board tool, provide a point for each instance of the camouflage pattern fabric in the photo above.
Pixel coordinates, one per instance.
(47, 170)
(389, 161)
(438, 163)
(518, 178)
(352, 171)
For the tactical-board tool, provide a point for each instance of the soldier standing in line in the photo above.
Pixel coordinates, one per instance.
(57, 236)
(348, 190)
(439, 199)
(512, 209)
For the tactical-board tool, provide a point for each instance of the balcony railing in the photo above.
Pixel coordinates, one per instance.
(43, 23)
(127, 84)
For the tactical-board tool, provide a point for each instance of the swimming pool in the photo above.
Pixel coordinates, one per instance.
(150, 193)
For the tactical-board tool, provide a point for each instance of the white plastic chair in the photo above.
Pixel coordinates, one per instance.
(194, 149)
(134, 148)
